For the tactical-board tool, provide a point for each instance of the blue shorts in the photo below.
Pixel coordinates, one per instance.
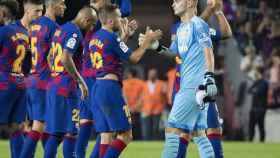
(62, 114)
(111, 114)
(185, 113)
(36, 104)
(85, 111)
(13, 105)
(213, 118)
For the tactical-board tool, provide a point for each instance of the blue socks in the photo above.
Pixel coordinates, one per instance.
(115, 149)
(204, 147)
(175, 147)
(16, 143)
(182, 148)
(30, 142)
(44, 138)
(69, 147)
(216, 142)
(51, 146)
(83, 138)
(95, 151)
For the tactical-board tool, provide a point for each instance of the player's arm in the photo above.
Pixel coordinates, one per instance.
(70, 47)
(71, 69)
(224, 25)
(150, 37)
(202, 36)
(217, 10)
(162, 50)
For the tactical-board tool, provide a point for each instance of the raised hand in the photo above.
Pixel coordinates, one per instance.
(149, 40)
(133, 26)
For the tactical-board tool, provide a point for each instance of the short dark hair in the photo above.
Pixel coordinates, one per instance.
(12, 6)
(106, 11)
(37, 2)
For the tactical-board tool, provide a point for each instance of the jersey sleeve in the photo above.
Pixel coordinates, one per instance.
(71, 42)
(215, 35)
(125, 7)
(121, 49)
(202, 35)
(174, 46)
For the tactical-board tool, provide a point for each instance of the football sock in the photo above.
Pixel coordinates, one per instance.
(52, 145)
(174, 146)
(16, 143)
(69, 147)
(83, 138)
(182, 148)
(95, 151)
(30, 142)
(115, 149)
(44, 138)
(216, 141)
(204, 147)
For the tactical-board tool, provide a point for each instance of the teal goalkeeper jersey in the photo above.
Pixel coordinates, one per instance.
(191, 39)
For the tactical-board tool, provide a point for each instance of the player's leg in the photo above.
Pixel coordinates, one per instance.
(261, 125)
(117, 116)
(36, 102)
(199, 135)
(55, 122)
(181, 122)
(17, 117)
(95, 151)
(72, 120)
(86, 127)
(214, 130)
(8, 100)
(176, 143)
(252, 124)
(69, 141)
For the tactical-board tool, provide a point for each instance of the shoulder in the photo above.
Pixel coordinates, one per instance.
(199, 23)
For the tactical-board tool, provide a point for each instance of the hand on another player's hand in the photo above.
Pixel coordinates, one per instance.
(132, 27)
(149, 40)
(210, 85)
(84, 89)
(124, 29)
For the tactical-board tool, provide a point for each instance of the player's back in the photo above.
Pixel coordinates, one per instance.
(191, 39)
(104, 56)
(66, 38)
(42, 31)
(14, 43)
(88, 70)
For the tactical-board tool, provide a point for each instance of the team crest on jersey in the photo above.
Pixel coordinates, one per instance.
(123, 47)
(71, 43)
(204, 37)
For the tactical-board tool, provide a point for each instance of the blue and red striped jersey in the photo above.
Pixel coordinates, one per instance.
(88, 69)
(67, 39)
(14, 42)
(107, 52)
(42, 31)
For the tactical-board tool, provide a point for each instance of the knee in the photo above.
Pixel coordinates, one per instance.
(85, 121)
(214, 131)
(38, 126)
(106, 138)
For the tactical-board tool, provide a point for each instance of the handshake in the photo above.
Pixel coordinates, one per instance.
(206, 91)
(150, 40)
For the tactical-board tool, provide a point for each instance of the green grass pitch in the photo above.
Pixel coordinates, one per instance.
(153, 150)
